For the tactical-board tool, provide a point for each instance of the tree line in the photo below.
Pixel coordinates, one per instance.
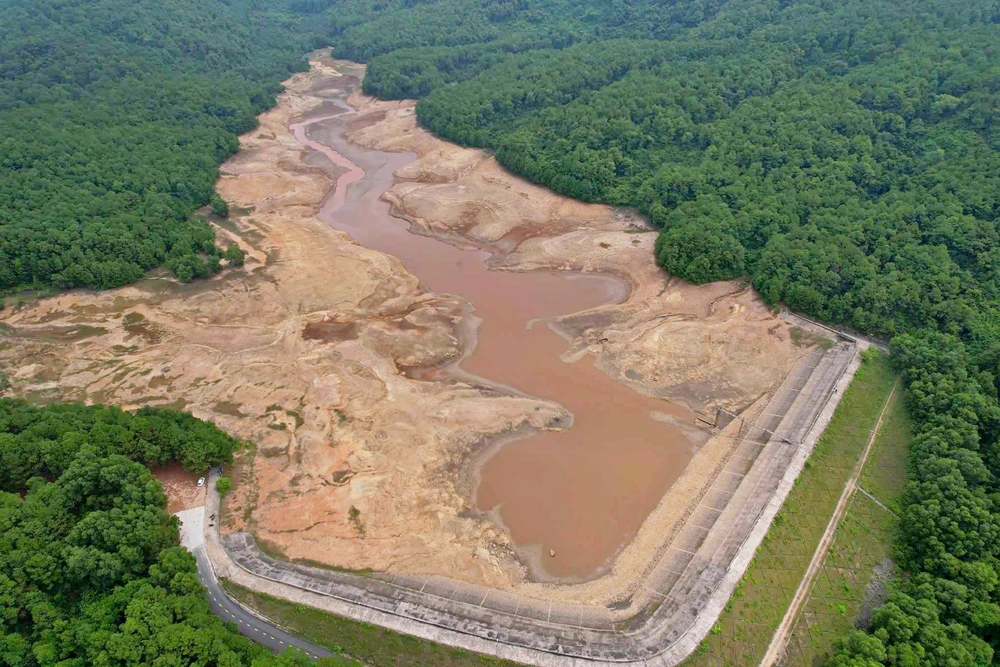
(91, 572)
(114, 117)
(861, 189)
(841, 155)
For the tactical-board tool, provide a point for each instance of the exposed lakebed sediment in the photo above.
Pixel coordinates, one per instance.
(350, 367)
(570, 497)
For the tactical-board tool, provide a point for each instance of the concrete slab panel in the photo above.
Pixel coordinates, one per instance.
(662, 580)
(740, 465)
(728, 482)
(675, 560)
(716, 498)
(470, 594)
(536, 609)
(597, 618)
(750, 449)
(770, 422)
(565, 614)
(439, 586)
(412, 582)
(689, 539)
(501, 601)
(703, 517)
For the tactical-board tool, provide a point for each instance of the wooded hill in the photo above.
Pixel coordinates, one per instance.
(114, 116)
(91, 572)
(841, 154)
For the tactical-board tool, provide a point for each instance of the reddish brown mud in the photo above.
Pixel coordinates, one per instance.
(579, 493)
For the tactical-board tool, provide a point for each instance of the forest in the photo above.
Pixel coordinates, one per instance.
(841, 155)
(91, 571)
(114, 116)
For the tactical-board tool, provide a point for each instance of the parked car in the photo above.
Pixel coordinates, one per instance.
(201, 482)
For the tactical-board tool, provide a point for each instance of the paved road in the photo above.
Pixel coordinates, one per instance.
(251, 626)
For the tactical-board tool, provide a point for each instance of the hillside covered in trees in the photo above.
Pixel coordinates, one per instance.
(841, 154)
(91, 572)
(114, 116)
(844, 155)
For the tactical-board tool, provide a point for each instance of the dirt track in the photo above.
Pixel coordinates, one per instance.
(307, 351)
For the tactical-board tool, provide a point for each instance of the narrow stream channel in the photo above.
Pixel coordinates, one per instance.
(581, 493)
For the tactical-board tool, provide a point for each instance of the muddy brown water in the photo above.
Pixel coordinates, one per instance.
(581, 492)
(330, 331)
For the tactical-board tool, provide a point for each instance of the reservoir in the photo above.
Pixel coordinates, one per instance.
(582, 492)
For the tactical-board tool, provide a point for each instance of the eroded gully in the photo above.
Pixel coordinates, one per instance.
(582, 492)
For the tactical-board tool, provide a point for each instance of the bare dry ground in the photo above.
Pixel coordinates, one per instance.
(181, 487)
(709, 346)
(303, 352)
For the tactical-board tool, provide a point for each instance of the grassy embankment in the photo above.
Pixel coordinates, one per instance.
(361, 641)
(745, 628)
(864, 542)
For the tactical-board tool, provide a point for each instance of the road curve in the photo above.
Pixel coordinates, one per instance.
(249, 625)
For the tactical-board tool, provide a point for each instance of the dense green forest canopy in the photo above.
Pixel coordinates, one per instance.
(842, 154)
(114, 116)
(90, 568)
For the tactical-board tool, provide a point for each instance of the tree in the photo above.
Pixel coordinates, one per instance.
(234, 255)
(844, 156)
(858, 649)
(152, 119)
(700, 253)
(90, 570)
(219, 206)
